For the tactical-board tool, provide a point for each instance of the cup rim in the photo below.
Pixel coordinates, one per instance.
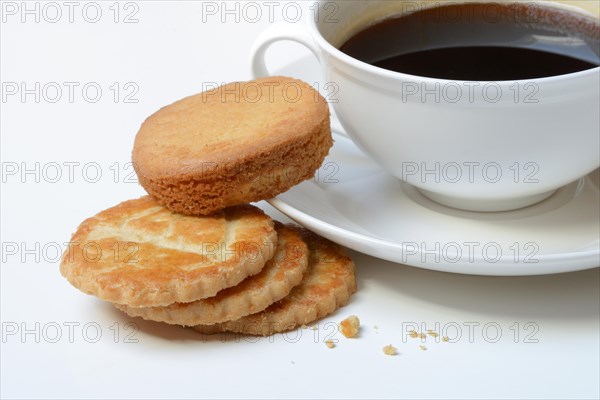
(324, 45)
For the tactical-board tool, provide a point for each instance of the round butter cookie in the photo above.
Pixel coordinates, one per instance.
(141, 254)
(235, 144)
(327, 285)
(281, 273)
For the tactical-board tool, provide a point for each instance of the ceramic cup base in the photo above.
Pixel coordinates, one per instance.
(485, 205)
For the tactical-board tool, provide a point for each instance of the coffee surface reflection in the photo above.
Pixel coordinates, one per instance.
(479, 41)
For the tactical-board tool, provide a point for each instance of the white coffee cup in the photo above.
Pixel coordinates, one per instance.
(482, 146)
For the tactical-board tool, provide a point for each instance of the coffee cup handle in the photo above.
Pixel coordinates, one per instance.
(274, 34)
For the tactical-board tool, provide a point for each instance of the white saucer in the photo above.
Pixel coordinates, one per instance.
(353, 202)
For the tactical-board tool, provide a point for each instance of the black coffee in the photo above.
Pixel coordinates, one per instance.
(481, 41)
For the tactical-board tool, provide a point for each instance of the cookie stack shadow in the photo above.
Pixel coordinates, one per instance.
(194, 252)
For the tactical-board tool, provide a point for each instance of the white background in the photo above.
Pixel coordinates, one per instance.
(547, 346)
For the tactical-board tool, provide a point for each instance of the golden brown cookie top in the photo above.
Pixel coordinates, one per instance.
(141, 254)
(220, 128)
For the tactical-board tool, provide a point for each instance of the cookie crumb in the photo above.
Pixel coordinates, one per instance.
(314, 327)
(413, 334)
(432, 334)
(389, 350)
(445, 339)
(304, 326)
(422, 335)
(422, 347)
(330, 344)
(350, 326)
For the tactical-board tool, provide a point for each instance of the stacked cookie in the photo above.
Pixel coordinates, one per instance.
(194, 253)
